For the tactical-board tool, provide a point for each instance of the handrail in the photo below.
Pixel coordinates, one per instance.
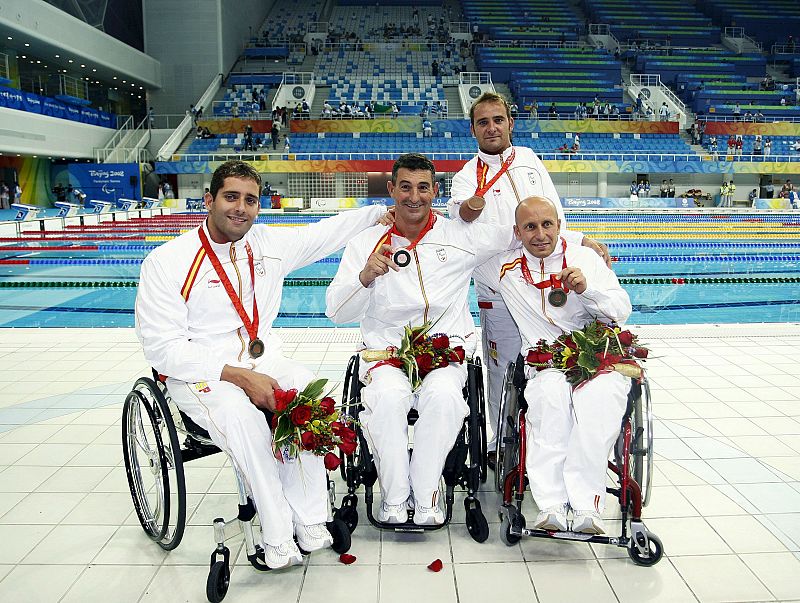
(177, 136)
(785, 49)
(646, 79)
(439, 156)
(116, 139)
(737, 33)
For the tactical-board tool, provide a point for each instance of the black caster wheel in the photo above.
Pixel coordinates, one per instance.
(477, 525)
(656, 551)
(341, 535)
(518, 522)
(219, 578)
(349, 515)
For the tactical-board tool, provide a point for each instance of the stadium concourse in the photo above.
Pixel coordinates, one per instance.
(671, 134)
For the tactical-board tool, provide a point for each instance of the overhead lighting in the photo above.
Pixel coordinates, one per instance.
(115, 77)
(26, 44)
(23, 56)
(10, 38)
(58, 56)
(82, 65)
(70, 60)
(38, 62)
(94, 69)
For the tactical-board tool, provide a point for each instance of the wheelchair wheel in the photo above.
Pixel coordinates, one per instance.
(351, 398)
(642, 428)
(348, 514)
(477, 418)
(341, 535)
(517, 521)
(153, 464)
(477, 526)
(656, 551)
(507, 433)
(219, 579)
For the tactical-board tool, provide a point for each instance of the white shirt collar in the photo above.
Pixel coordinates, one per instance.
(556, 255)
(223, 247)
(495, 160)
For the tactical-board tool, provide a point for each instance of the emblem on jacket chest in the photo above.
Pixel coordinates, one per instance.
(259, 267)
(441, 254)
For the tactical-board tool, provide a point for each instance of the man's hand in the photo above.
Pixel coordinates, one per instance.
(258, 387)
(573, 279)
(377, 265)
(600, 248)
(471, 208)
(387, 219)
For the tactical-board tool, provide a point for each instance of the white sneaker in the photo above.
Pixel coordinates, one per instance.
(552, 519)
(283, 555)
(426, 516)
(313, 537)
(587, 522)
(393, 513)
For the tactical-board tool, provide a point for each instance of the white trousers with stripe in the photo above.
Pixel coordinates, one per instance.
(570, 434)
(441, 407)
(284, 493)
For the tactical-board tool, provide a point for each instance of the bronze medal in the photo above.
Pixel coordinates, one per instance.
(256, 348)
(402, 258)
(557, 297)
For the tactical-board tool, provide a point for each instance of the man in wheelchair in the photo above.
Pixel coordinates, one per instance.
(416, 273)
(552, 288)
(204, 311)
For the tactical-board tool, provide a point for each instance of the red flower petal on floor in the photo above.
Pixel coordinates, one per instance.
(436, 566)
(347, 559)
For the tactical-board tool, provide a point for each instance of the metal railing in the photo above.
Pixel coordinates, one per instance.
(644, 79)
(733, 119)
(439, 156)
(4, 72)
(532, 44)
(122, 131)
(785, 49)
(474, 77)
(187, 124)
(737, 33)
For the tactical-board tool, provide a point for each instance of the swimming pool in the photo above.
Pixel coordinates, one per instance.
(688, 268)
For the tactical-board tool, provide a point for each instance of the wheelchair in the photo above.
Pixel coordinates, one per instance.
(152, 426)
(464, 467)
(632, 466)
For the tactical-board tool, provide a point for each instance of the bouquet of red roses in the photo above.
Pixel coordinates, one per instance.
(419, 353)
(596, 348)
(309, 421)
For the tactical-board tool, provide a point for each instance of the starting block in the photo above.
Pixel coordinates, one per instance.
(101, 207)
(151, 203)
(129, 204)
(26, 213)
(67, 209)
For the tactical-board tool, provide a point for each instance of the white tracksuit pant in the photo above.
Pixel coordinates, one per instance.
(568, 443)
(501, 345)
(283, 493)
(441, 407)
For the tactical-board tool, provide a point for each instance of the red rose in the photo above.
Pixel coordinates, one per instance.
(283, 398)
(441, 342)
(300, 414)
(348, 447)
(570, 362)
(274, 422)
(328, 406)
(332, 461)
(336, 427)
(625, 337)
(425, 363)
(347, 434)
(458, 354)
(308, 441)
(640, 352)
(442, 362)
(569, 343)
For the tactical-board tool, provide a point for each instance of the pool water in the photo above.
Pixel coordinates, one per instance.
(692, 268)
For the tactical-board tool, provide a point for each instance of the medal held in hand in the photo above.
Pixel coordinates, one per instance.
(402, 258)
(557, 297)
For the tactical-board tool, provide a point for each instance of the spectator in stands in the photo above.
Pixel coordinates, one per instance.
(424, 111)
(168, 194)
(275, 135)
(193, 113)
(663, 112)
(788, 186)
(651, 115)
(235, 110)
(731, 144)
(427, 129)
(739, 144)
(615, 112)
(151, 117)
(737, 112)
(758, 145)
(395, 110)
(4, 196)
(752, 196)
(664, 189)
(671, 189)
(248, 138)
(326, 110)
(553, 112)
(769, 190)
(640, 104)
(199, 132)
(749, 117)
(767, 146)
(577, 141)
(759, 117)
(712, 145)
(514, 110)
(305, 110)
(796, 146)
(435, 68)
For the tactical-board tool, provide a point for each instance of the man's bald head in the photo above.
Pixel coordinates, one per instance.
(537, 225)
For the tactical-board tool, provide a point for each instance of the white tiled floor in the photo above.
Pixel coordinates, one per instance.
(726, 501)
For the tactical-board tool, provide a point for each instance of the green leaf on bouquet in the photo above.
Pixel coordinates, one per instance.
(313, 390)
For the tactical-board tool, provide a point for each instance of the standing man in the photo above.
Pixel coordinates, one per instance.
(571, 431)
(417, 272)
(204, 314)
(488, 189)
